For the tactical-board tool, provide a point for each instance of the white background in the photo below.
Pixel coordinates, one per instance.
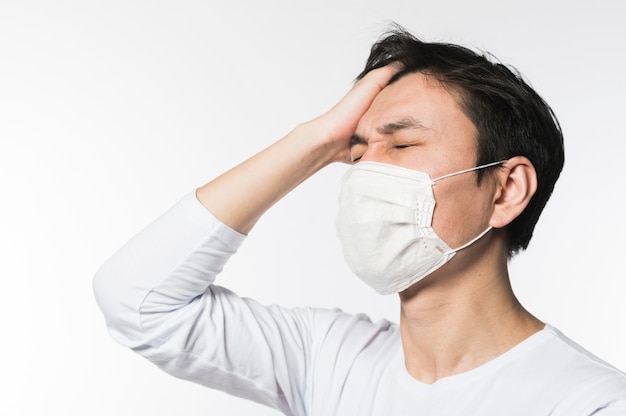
(110, 111)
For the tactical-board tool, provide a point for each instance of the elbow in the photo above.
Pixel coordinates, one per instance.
(119, 307)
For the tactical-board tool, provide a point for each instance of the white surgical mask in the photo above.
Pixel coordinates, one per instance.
(384, 225)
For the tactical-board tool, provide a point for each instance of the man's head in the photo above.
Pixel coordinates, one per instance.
(510, 118)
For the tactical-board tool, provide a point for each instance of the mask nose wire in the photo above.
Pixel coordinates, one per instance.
(488, 165)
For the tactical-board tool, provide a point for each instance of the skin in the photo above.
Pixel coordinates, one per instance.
(465, 313)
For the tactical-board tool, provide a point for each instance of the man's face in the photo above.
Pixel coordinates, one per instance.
(417, 124)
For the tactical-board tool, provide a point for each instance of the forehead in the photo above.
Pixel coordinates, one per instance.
(420, 98)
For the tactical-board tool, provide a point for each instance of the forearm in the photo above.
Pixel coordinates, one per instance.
(241, 195)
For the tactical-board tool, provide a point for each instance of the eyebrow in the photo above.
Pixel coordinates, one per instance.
(407, 123)
(356, 139)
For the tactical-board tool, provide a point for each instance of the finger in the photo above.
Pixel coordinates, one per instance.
(360, 97)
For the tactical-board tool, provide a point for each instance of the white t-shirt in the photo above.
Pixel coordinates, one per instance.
(158, 297)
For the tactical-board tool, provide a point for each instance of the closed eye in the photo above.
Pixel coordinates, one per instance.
(358, 144)
(404, 146)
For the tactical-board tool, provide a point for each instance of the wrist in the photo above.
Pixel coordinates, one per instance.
(324, 146)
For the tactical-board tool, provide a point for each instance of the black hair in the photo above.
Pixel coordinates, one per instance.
(510, 117)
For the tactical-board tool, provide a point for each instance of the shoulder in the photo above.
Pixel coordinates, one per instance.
(336, 326)
(349, 351)
(348, 336)
(325, 330)
(577, 359)
(590, 382)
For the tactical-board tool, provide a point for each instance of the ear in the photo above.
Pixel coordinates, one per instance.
(516, 184)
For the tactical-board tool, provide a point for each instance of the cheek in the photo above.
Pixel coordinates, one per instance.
(461, 212)
(448, 219)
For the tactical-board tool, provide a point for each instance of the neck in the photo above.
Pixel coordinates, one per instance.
(454, 322)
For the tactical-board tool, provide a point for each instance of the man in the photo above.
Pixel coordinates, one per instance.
(425, 122)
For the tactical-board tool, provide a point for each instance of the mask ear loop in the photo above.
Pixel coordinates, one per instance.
(488, 165)
(473, 240)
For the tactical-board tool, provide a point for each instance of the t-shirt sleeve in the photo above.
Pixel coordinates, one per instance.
(158, 298)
